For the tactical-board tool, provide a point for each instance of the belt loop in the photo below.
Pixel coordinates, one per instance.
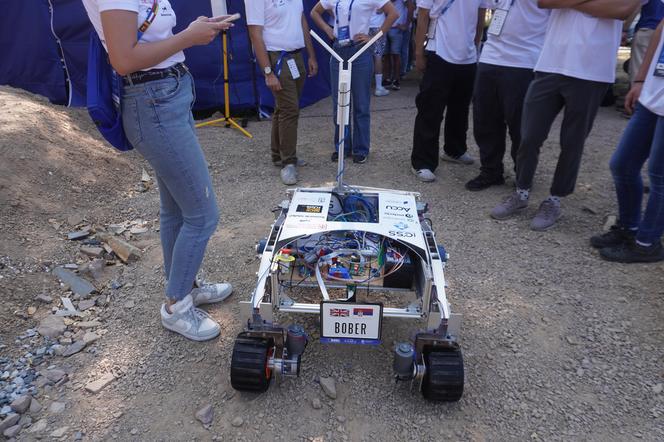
(128, 77)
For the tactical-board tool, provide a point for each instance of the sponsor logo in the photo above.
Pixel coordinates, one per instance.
(340, 312)
(362, 311)
(308, 208)
(398, 208)
(401, 225)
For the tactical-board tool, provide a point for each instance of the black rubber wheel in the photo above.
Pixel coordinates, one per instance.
(249, 369)
(443, 380)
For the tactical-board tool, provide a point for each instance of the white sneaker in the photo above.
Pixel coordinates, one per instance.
(381, 91)
(209, 293)
(190, 322)
(424, 175)
(463, 159)
(289, 174)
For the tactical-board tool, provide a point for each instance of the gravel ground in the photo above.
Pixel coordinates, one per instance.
(558, 345)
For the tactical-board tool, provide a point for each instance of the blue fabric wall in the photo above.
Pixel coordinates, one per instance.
(33, 61)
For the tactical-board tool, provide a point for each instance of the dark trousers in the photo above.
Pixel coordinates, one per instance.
(497, 105)
(444, 86)
(547, 95)
(642, 141)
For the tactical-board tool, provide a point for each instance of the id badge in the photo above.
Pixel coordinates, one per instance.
(343, 35)
(431, 31)
(295, 72)
(659, 66)
(498, 22)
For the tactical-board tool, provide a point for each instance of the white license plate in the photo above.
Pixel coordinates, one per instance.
(350, 323)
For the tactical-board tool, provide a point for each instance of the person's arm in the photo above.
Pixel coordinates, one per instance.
(391, 15)
(420, 36)
(263, 59)
(317, 17)
(410, 8)
(479, 32)
(635, 92)
(613, 9)
(311, 53)
(127, 55)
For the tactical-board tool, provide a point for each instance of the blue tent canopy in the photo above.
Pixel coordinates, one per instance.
(43, 48)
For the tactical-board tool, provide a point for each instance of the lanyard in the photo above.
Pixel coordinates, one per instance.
(152, 14)
(446, 8)
(350, 8)
(511, 3)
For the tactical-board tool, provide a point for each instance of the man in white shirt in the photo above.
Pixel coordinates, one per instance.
(278, 32)
(515, 39)
(446, 40)
(575, 68)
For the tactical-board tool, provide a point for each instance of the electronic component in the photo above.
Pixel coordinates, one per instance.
(398, 267)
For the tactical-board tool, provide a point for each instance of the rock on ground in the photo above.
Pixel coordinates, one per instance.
(205, 415)
(329, 387)
(98, 385)
(21, 404)
(51, 326)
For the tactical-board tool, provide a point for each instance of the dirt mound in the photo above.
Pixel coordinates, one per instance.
(54, 163)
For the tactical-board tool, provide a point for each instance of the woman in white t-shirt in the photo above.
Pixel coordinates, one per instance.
(637, 236)
(157, 97)
(349, 33)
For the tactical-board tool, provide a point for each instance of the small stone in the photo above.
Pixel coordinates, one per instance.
(94, 252)
(87, 324)
(21, 404)
(12, 431)
(129, 304)
(54, 375)
(329, 387)
(57, 407)
(78, 436)
(73, 349)
(38, 427)
(237, 422)
(341, 419)
(86, 304)
(57, 434)
(32, 310)
(9, 421)
(44, 298)
(134, 431)
(51, 326)
(657, 389)
(78, 285)
(571, 340)
(205, 415)
(79, 234)
(95, 387)
(315, 402)
(90, 337)
(35, 406)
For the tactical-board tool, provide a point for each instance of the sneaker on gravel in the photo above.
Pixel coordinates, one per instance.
(632, 252)
(360, 158)
(300, 163)
(209, 293)
(463, 159)
(510, 206)
(189, 321)
(617, 235)
(386, 82)
(547, 216)
(396, 85)
(289, 175)
(381, 91)
(424, 175)
(482, 182)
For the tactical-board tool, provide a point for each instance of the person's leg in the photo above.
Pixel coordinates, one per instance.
(170, 223)
(582, 100)
(396, 39)
(513, 88)
(405, 51)
(488, 120)
(334, 86)
(458, 108)
(542, 104)
(639, 46)
(626, 164)
(652, 223)
(288, 99)
(275, 147)
(431, 102)
(361, 97)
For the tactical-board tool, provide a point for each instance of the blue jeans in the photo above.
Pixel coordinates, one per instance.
(405, 51)
(395, 41)
(157, 119)
(642, 141)
(358, 138)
